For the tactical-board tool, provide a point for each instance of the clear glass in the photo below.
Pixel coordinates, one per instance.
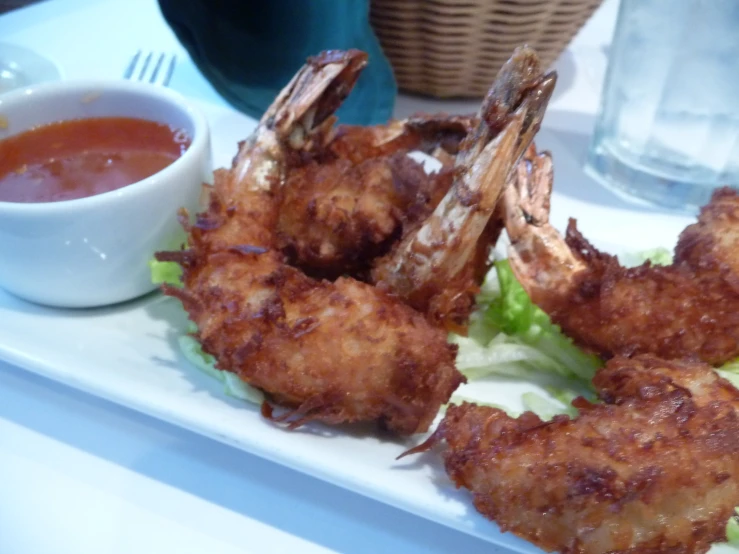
(668, 127)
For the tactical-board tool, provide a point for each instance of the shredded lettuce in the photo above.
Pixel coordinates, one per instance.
(165, 273)
(510, 336)
(732, 529)
(730, 372)
(657, 256)
(545, 408)
(168, 272)
(192, 350)
(235, 387)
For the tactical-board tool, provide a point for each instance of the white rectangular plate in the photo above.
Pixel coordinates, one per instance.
(128, 354)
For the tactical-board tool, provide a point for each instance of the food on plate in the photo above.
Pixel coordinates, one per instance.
(345, 351)
(333, 352)
(336, 217)
(85, 157)
(654, 468)
(439, 134)
(344, 203)
(435, 268)
(649, 464)
(689, 308)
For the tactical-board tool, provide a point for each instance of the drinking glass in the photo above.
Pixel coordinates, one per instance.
(667, 131)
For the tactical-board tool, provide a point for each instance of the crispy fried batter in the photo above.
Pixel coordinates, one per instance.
(712, 244)
(690, 308)
(332, 352)
(345, 203)
(655, 469)
(335, 218)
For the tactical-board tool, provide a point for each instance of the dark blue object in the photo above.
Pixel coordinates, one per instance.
(249, 49)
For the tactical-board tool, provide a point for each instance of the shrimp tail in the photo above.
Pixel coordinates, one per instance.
(304, 109)
(435, 267)
(539, 256)
(300, 118)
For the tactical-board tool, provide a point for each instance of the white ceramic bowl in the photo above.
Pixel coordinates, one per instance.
(94, 251)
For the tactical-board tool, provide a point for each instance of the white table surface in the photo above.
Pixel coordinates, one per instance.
(81, 475)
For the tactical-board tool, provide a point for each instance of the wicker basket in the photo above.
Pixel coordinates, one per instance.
(454, 48)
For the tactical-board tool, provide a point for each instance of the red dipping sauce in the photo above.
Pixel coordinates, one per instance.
(84, 157)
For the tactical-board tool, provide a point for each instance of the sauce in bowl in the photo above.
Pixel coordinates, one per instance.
(85, 157)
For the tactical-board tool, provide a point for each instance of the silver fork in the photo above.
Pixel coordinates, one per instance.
(150, 67)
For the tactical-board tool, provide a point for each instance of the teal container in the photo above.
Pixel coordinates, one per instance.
(249, 50)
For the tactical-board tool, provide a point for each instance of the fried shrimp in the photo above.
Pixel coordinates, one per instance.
(331, 352)
(654, 469)
(335, 218)
(690, 308)
(346, 203)
(435, 267)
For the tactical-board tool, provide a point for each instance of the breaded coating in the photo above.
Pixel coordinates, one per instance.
(335, 218)
(349, 200)
(331, 352)
(676, 311)
(712, 244)
(690, 308)
(655, 469)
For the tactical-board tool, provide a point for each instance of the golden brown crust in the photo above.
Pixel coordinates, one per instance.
(345, 204)
(711, 245)
(656, 469)
(688, 309)
(332, 352)
(335, 218)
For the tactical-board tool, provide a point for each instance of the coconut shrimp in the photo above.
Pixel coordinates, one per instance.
(435, 267)
(655, 468)
(348, 202)
(332, 352)
(687, 309)
(336, 217)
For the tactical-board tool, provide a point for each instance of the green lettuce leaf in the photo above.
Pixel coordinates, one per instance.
(192, 350)
(546, 408)
(658, 256)
(510, 336)
(169, 273)
(732, 529)
(233, 386)
(514, 314)
(730, 372)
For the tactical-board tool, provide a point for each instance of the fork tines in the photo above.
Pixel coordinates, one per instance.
(152, 68)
